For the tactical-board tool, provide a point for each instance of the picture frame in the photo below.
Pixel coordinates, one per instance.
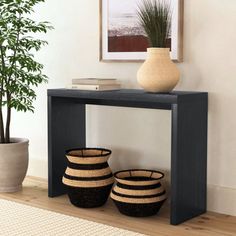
(114, 41)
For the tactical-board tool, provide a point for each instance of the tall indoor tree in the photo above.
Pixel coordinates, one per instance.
(20, 73)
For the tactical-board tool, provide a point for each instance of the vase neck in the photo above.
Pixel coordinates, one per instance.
(158, 53)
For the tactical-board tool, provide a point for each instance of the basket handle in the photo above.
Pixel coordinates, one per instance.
(151, 174)
(130, 173)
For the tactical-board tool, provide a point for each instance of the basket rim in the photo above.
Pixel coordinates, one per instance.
(108, 152)
(147, 170)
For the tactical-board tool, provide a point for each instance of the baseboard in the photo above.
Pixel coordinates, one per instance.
(221, 199)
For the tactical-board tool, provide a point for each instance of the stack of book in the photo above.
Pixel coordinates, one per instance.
(94, 84)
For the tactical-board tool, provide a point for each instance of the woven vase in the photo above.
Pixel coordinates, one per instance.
(88, 177)
(158, 73)
(138, 193)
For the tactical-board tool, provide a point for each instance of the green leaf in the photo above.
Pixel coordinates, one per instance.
(155, 18)
(20, 73)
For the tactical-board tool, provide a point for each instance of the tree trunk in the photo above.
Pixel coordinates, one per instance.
(2, 136)
(7, 139)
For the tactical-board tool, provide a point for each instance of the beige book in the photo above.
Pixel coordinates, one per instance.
(94, 81)
(97, 87)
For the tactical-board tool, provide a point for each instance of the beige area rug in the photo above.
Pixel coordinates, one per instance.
(18, 219)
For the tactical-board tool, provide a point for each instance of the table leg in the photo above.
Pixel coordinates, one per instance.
(66, 129)
(188, 160)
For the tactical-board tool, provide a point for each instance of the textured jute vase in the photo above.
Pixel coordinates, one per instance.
(88, 177)
(158, 73)
(13, 164)
(138, 193)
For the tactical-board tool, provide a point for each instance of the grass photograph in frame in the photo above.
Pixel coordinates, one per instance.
(123, 39)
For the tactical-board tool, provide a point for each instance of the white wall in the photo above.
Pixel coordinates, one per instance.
(141, 137)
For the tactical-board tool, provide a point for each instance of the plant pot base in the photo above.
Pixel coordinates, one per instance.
(13, 164)
(11, 189)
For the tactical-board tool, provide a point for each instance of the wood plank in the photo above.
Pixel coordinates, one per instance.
(34, 193)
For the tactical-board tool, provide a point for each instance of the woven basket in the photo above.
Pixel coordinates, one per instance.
(138, 193)
(88, 177)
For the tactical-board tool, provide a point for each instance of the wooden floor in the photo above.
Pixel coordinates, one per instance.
(34, 193)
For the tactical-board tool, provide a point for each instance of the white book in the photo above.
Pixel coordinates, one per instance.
(94, 81)
(93, 87)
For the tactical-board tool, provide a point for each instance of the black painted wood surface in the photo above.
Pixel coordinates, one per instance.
(66, 129)
(188, 160)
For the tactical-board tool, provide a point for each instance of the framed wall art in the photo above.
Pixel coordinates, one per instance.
(121, 37)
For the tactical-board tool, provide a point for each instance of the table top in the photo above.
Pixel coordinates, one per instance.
(129, 97)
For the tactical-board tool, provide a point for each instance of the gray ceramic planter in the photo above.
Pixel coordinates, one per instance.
(13, 164)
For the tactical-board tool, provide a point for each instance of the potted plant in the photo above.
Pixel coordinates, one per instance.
(158, 73)
(20, 73)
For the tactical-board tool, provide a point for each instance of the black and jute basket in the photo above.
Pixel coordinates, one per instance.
(138, 192)
(88, 177)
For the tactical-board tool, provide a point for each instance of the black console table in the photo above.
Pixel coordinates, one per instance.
(66, 129)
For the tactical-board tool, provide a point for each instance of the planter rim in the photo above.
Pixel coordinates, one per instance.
(108, 152)
(141, 170)
(15, 141)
